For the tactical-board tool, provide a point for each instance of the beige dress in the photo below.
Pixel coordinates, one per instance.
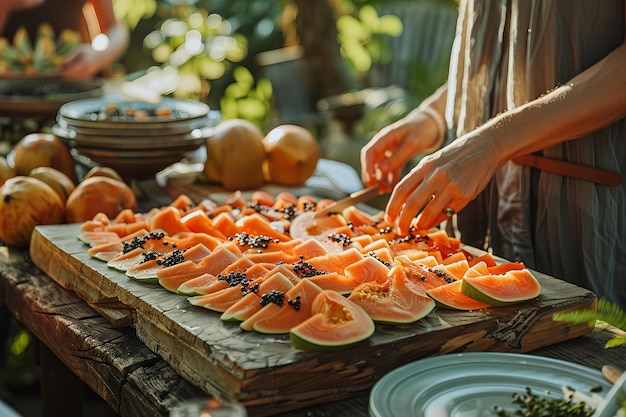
(506, 53)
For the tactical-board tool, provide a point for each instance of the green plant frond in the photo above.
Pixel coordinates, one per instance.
(612, 314)
(606, 311)
(577, 317)
(615, 342)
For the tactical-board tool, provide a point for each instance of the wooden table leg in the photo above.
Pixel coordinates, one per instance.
(61, 390)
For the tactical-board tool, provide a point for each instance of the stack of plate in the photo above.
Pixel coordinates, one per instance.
(134, 137)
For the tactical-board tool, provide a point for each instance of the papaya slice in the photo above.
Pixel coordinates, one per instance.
(255, 224)
(392, 301)
(224, 222)
(307, 226)
(335, 323)
(420, 279)
(197, 285)
(272, 290)
(367, 269)
(450, 296)
(335, 262)
(335, 281)
(499, 290)
(213, 264)
(168, 220)
(146, 271)
(275, 319)
(198, 221)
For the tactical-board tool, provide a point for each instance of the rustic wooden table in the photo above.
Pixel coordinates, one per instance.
(78, 344)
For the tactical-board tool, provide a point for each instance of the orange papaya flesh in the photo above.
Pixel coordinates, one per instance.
(148, 269)
(450, 296)
(335, 281)
(358, 217)
(276, 319)
(271, 290)
(198, 221)
(392, 301)
(383, 255)
(183, 202)
(197, 285)
(310, 248)
(335, 323)
(418, 278)
(487, 258)
(505, 267)
(225, 223)
(168, 219)
(100, 237)
(306, 226)
(456, 269)
(255, 224)
(221, 300)
(213, 264)
(367, 269)
(106, 251)
(500, 290)
(335, 262)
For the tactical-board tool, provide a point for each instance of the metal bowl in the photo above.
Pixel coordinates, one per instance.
(136, 148)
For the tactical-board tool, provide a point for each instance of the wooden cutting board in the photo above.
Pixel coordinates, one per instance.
(265, 372)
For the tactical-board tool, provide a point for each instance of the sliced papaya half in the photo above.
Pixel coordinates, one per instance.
(335, 323)
(499, 290)
(450, 296)
(392, 301)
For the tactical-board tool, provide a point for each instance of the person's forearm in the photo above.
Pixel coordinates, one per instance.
(593, 99)
(118, 42)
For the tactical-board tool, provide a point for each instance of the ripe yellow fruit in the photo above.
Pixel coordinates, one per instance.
(99, 194)
(235, 155)
(43, 150)
(6, 171)
(59, 182)
(292, 155)
(103, 172)
(26, 202)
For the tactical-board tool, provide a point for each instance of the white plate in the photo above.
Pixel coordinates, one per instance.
(471, 384)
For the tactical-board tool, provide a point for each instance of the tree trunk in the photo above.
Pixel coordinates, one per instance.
(315, 24)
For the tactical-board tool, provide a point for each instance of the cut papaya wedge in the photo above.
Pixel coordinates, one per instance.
(275, 319)
(450, 296)
(499, 290)
(335, 323)
(392, 301)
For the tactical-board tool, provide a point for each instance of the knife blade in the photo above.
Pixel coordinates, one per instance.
(354, 198)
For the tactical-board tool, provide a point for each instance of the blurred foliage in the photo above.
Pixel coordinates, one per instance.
(361, 32)
(213, 44)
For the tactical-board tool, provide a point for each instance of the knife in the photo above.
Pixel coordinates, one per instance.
(354, 198)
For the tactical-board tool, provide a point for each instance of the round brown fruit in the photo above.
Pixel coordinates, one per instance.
(43, 150)
(292, 155)
(235, 155)
(99, 195)
(99, 171)
(59, 182)
(26, 202)
(6, 171)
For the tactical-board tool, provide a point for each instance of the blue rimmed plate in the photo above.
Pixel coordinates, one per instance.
(471, 384)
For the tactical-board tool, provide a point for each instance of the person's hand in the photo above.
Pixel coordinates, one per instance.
(84, 62)
(386, 154)
(447, 179)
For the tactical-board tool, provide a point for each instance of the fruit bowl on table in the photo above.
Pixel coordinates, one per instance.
(137, 139)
